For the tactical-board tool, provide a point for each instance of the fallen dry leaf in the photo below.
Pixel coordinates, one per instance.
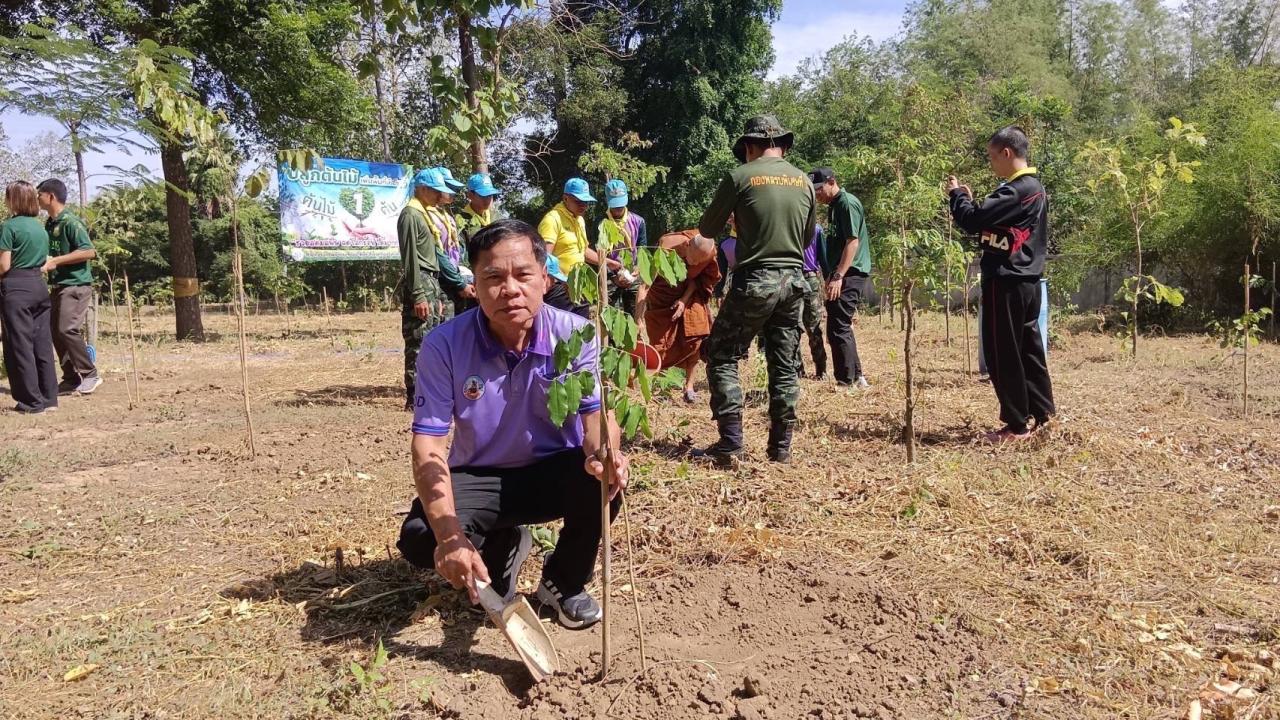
(79, 672)
(1195, 712)
(1047, 685)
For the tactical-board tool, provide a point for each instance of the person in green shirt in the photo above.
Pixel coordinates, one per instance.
(24, 297)
(775, 214)
(422, 298)
(70, 252)
(845, 257)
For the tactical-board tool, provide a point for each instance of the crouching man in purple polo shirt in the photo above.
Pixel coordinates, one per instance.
(486, 374)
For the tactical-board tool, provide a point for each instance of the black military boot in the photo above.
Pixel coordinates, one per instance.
(728, 449)
(819, 357)
(780, 441)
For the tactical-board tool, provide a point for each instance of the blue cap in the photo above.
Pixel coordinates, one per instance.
(482, 185)
(578, 188)
(431, 178)
(615, 191)
(454, 185)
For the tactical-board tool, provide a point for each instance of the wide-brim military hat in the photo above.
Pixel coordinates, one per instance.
(762, 127)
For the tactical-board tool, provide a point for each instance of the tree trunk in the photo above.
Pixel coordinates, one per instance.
(909, 417)
(383, 130)
(80, 176)
(466, 45)
(182, 252)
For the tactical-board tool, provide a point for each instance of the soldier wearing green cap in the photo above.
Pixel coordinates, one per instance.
(775, 213)
(421, 295)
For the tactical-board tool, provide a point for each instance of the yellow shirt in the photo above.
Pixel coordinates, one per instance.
(567, 236)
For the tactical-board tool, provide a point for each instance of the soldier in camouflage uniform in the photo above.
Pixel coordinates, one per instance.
(775, 213)
(421, 296)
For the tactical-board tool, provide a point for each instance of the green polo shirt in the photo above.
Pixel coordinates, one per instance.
(26, 239)
(773, 209)
(846, 219)
(67, 234)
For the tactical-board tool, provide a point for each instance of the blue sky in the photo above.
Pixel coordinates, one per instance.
(806, 28)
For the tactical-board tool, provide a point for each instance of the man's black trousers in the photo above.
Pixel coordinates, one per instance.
(844, 348)
(493, 502)
(1014, 350)
(28, 339)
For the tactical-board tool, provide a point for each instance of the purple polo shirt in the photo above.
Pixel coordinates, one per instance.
(811, 251)
(496, 400)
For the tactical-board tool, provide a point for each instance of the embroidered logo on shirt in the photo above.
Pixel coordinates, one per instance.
(799, 182)
(473, 388)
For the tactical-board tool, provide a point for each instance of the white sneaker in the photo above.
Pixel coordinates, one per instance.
(88, 385)
(861, 383)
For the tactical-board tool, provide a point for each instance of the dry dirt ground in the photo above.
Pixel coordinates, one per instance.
(1123, 565)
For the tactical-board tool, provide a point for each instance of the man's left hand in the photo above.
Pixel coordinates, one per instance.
(49, 265)
(833, 289)
(621, 471)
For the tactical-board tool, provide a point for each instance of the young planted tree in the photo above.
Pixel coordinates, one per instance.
(1138, 186)
(617, 335)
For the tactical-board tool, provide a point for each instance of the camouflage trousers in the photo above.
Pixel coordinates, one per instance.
(761, 301)
(811, 321)
(413, 330)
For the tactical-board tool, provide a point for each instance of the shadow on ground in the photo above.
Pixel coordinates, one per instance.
(377, 600)
(345, 395)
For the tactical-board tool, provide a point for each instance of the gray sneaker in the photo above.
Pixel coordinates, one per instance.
(861, 383)
(574, 612)
(88, 385)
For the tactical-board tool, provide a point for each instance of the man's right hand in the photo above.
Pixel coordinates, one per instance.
(458, 562)
(422, 310)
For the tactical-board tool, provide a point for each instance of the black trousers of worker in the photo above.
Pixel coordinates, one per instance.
(492, 503)
(1014, 350)
(844, 348)
(557, 296)
(28, 339)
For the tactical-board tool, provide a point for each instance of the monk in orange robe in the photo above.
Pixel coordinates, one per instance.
(678, 318)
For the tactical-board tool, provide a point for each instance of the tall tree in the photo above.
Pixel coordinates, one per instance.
(66, 77)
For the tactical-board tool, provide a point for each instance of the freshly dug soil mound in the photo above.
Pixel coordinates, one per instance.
(780, 642)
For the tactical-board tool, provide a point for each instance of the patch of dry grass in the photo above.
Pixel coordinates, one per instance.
(1109, 566)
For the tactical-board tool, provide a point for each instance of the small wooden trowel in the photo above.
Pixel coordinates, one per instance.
(524, 631)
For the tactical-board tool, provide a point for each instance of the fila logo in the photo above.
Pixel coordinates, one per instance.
(995, 241)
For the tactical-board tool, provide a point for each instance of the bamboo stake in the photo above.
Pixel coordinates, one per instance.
(238, 266)
(1273, 299)
(964, 308)
(631, 571)
(606, 453)
(133, 346)
(909, 419)
(1248, 326)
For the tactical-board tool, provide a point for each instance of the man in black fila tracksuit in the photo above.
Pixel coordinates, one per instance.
(1012, 225)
